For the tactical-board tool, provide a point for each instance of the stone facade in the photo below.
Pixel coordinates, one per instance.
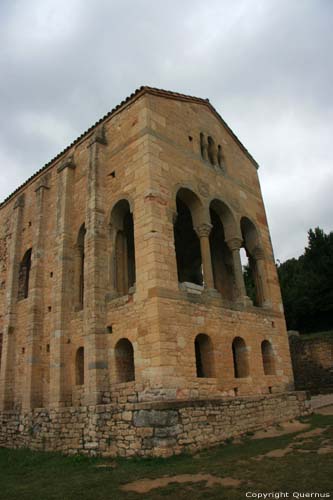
(120, 261)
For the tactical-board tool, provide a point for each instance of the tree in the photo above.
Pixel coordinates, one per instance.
(307, 285)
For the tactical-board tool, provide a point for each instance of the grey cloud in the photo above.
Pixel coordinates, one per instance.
(266, 66)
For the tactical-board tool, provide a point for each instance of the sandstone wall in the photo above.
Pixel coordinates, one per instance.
(146, 152)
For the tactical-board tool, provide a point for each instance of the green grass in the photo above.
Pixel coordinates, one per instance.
(27, 475)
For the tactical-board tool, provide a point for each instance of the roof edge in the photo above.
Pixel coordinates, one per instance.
(117, 109)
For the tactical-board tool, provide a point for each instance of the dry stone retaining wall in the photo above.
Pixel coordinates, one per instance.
(147, 429)
(312, 361)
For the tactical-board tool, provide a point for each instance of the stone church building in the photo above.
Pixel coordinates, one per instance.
(125, 324)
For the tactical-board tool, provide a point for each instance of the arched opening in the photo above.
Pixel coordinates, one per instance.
(124, 252)
(253, 270)
(220, 157)
(203, 146)
(221, 256)
(80, 264)
(212, 152)
(79, 366)
(124, 355)
(24, 275)
(268, 358)
(204, 356)
(187, 243)
(240, 357)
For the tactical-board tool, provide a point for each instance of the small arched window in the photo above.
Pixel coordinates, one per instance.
(204, 356)
(212, 152)
(79, 366)
(240, 357)
(220, 157)
(24, 275)
(268, 358)
(124, 355)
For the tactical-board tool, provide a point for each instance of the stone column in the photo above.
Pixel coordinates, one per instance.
(96, 265)
(259, 257)
(33, 390)
(234, 245)
(203, 231)
(60, 380)
(7, 376)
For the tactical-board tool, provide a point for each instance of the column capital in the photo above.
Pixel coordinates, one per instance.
(258, 253)
(98, 136)
(19, 203)
(234, 243)
(67, 162)
(203, 230)
(43, 183)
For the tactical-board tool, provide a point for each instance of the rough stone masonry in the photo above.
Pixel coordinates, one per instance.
(125, 324)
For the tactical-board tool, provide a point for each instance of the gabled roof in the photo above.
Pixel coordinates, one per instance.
(131, 98)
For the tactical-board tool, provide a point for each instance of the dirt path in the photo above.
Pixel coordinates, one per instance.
(284, 428)
(145, 485)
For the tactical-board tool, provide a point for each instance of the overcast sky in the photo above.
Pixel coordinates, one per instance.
(265, 65)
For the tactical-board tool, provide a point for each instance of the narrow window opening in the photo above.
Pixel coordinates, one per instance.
(220, 157)
(203, 146)
(124, 248)
(24, 275)
(204, 356)
(80, 265)
(124, 355)
(240, 358)
(268, 358)
(79, 366)
(212, 153)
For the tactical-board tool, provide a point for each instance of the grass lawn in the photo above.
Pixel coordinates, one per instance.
(27, 475)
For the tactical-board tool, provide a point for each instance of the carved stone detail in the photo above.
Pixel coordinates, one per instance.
(19, 203)
(68, 162)
(203, 230)
(98, 136)
(234, 243)
(258, 253)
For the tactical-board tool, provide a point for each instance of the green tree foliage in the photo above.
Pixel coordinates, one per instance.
(307, 285)
(249, 283)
